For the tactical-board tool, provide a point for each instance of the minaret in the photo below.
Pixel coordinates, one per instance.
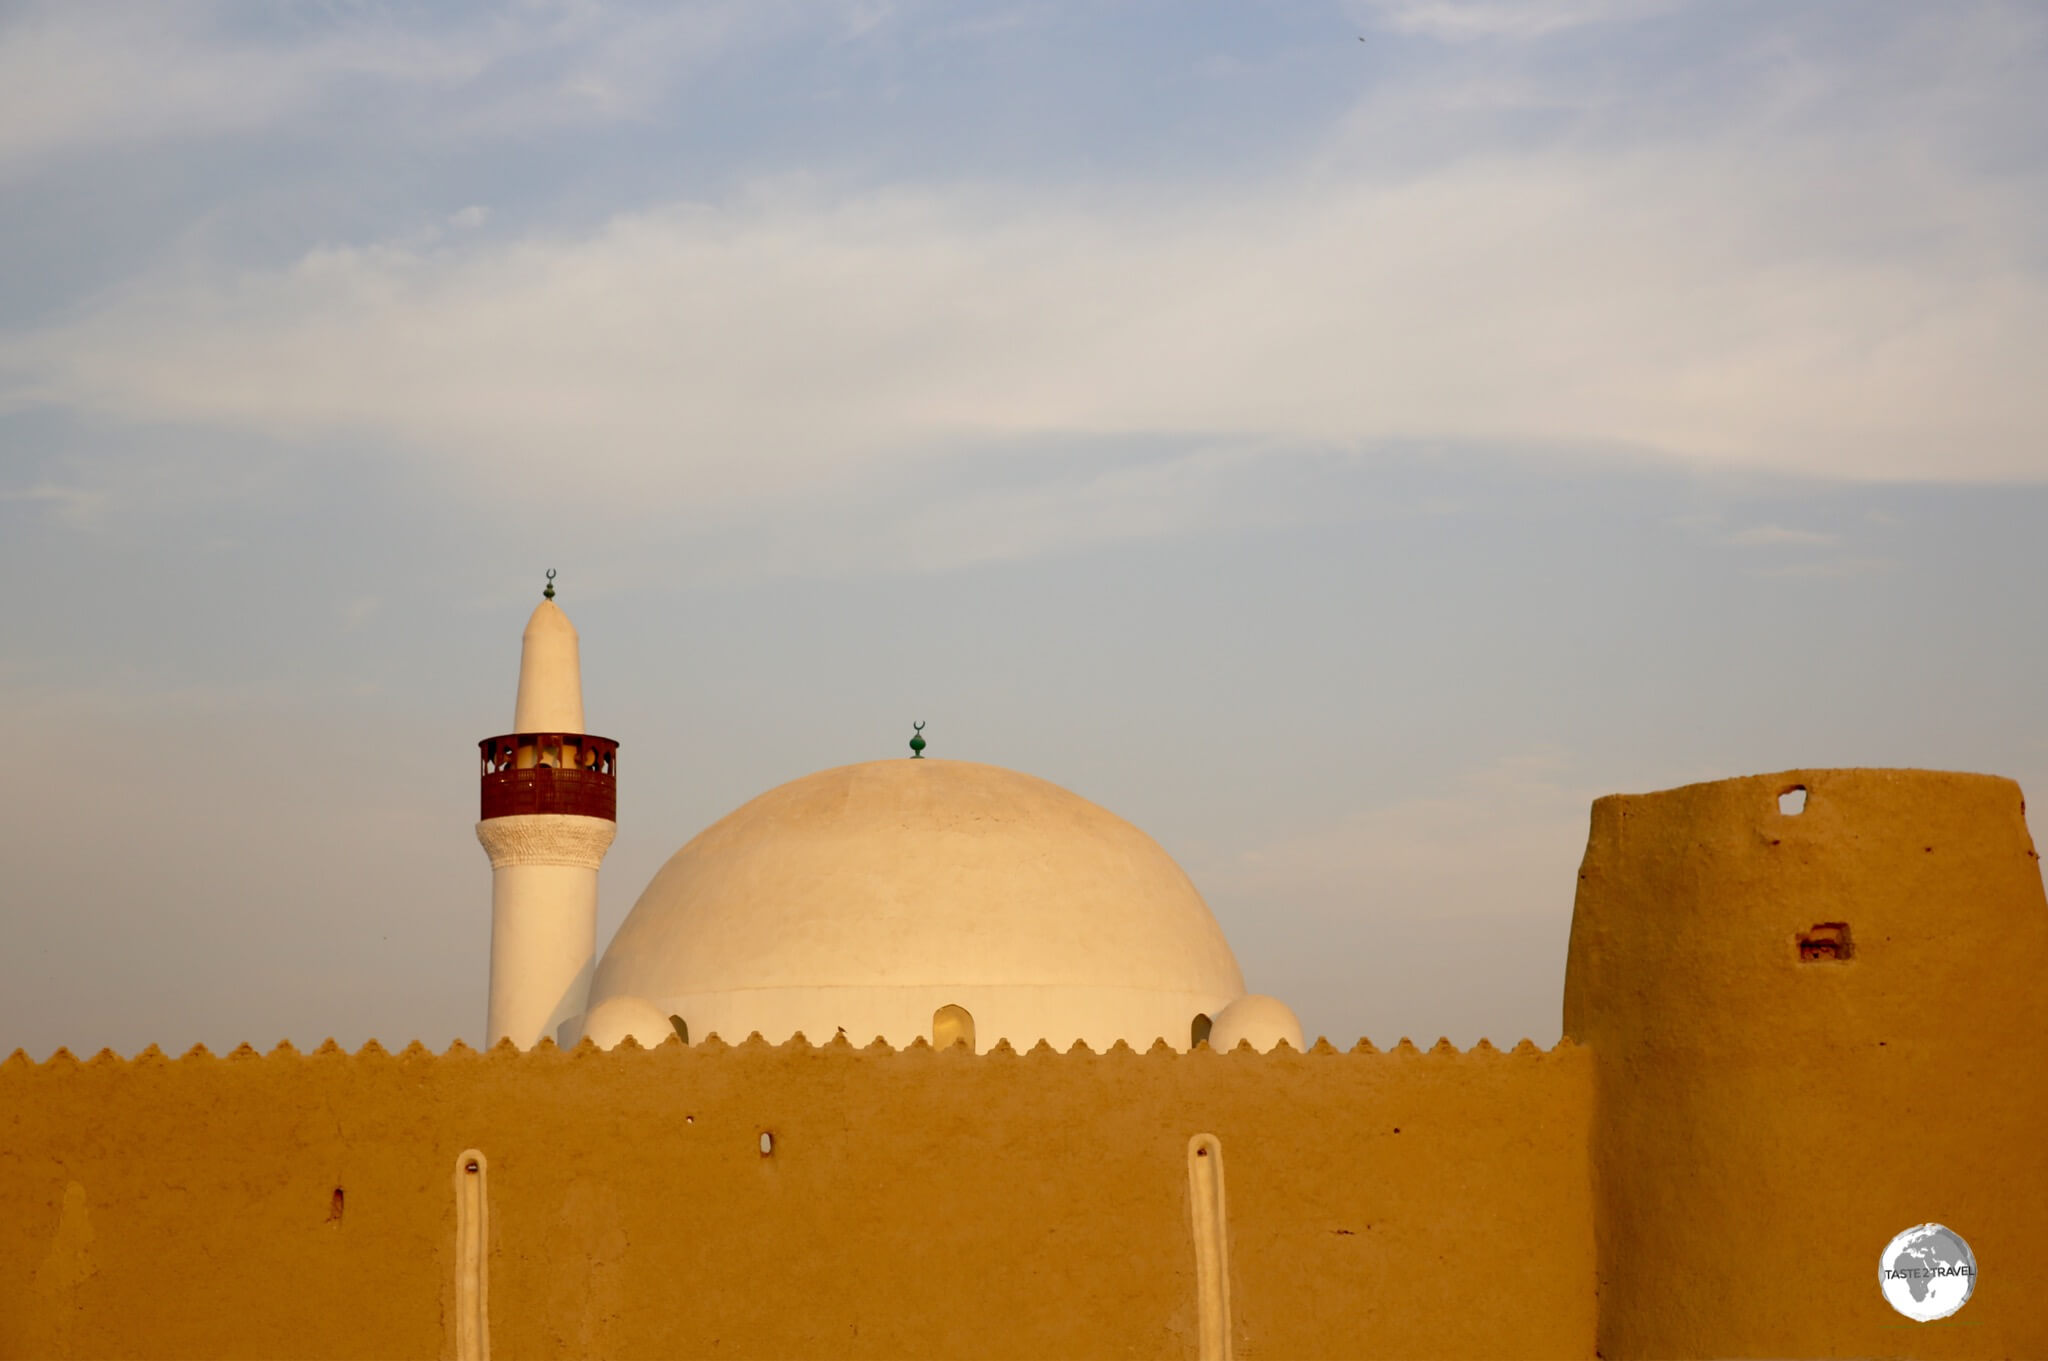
(550, 805)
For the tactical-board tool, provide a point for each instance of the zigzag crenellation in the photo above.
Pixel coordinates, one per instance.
(713, 1046)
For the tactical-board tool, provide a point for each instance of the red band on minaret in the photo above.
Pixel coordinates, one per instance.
(550, 773)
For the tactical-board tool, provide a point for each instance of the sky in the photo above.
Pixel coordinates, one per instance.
(1342, 439)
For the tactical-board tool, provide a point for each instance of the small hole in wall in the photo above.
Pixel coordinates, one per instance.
(469, 1167)
(1827, 940)
(1199, 1028)
(334, 1207)
(1793, 800)
(1201, 1153)
(767, 1143)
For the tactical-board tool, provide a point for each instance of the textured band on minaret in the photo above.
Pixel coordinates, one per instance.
(549, 812)
(546, 839)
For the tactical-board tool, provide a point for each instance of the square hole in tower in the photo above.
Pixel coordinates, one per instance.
(1827, 940)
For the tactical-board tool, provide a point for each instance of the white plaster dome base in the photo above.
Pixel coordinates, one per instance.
(865, 898)
(616, 1018)
(1261, 1021)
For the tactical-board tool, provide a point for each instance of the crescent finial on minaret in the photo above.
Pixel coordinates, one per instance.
(549, 593)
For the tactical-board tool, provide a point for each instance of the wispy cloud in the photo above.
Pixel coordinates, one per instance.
(797, 333)
(75, 507)
(140, 72)
(1831, 569)
(1769, 536)
(1468, 20)
(76, 76)
(1792, 283)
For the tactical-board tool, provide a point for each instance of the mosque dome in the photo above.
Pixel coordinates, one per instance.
(908, 898)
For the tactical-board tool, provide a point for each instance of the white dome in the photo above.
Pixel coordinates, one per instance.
(1261, 1021)
(610, 1022)
(868, 897)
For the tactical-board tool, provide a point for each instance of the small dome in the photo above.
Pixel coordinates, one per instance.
(1264, 1021)
(613, 1019)
(870, 898)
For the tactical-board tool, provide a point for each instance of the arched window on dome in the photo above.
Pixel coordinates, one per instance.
(1198, 1029)
(951, 1025)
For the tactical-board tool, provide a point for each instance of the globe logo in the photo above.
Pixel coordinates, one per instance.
(1927, 1272)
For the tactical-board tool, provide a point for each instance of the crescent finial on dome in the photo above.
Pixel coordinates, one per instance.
(917, 740)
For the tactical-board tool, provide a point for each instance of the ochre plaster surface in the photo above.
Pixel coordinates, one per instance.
(917, 1203)
(1767, 1122)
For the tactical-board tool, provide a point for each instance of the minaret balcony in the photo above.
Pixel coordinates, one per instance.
(550, 773)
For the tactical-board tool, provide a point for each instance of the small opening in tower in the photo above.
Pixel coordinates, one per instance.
(1793, 800)
(1827, 940)
(767, 1143)
(1198, 1029)
(681, 1027)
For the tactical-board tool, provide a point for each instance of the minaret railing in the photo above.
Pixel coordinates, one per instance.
(572, 773)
